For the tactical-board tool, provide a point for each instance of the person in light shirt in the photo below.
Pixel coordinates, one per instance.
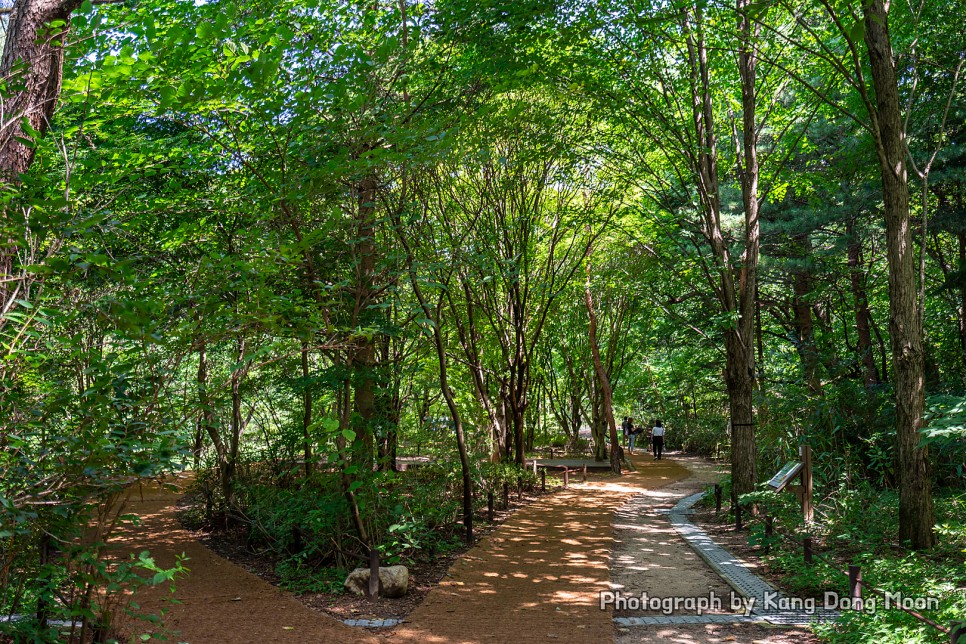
(657, 439)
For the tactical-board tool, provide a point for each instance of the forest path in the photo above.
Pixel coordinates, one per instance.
(649, 556)
(221, 603)
(537, 577)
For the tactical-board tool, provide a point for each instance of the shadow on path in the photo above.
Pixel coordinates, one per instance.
(220, 601)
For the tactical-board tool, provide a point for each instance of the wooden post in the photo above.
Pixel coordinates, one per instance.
(543, 480)
(738, 524)
(551, 453)
(506, 495)
(519, 489)
(855, 582)
(769, 528)
(807, 550)
(566, 476)
(807, 511)
(489, 506)
(717, 498)
(373, 574)
(534, 467)
(585, 472)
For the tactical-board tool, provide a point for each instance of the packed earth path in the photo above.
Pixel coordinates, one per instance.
(537, 577)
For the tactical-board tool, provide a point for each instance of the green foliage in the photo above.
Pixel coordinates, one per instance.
(858, 524)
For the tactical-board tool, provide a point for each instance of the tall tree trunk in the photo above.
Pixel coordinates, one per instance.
(861, 302)
(364, 362)
(916, 515)
(468, 335)
(39, 49)
(347, 489)
(598, 423)
(741, 368)
(616, 452)
(32, 69)
(206, 415)
(389, 407)
(736, 300)
(440, 345)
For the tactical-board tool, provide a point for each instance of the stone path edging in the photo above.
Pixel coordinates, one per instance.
(738, 575)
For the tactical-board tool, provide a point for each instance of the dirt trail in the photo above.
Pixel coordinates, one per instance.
(538, 577)
(220, 602)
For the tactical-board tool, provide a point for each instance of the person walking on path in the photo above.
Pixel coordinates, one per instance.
(626, 428)
(657, 438)
(632, 433)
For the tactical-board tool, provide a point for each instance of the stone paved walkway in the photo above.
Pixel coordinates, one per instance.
(737, 574)
(650, 556)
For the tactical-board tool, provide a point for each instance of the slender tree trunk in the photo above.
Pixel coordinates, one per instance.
(573, 430)
(306, 412)
(364, 360)
(861, 302)
(616, 451)
(741, 345)
(347, 490)
(468, 335)
(916, 515)
(457, 421)
(454, 410)
(207, 416)
(736, 300)
(598, 423)
(237, 427)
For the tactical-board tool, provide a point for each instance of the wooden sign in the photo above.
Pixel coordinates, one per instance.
(785, 475)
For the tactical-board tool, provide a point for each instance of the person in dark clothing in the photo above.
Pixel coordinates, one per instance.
(630, 432)
(657, 439)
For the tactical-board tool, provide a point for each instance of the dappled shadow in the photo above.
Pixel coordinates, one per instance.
(218, 602)
(540, 574)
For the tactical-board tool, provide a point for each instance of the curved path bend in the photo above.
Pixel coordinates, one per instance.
(220, 602)
(536, 578)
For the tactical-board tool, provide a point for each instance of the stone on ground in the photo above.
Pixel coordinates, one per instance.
(394, 581)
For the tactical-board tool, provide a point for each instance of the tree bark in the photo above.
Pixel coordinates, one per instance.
(440, 345)
(737, 300)
(616, 452)
(364, 362)
(916, 515)
(206, 417)
(32, 67)
(33, 58)
(237, 427)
